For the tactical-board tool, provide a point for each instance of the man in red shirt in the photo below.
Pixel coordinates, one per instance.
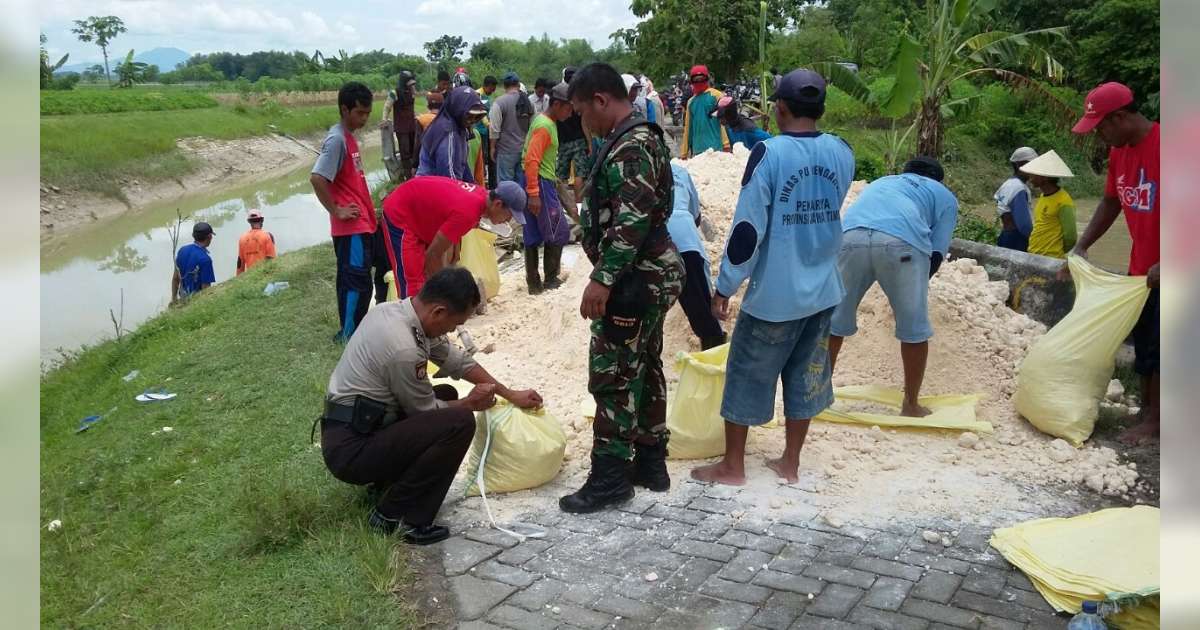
(1133, 187)
(425, 217)
(341, 186)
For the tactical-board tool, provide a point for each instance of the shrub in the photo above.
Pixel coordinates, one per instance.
(868, 166)
(102, 101)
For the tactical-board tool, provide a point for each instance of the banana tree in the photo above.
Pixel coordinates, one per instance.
(48, 69)
(953, 46)
(130, 71)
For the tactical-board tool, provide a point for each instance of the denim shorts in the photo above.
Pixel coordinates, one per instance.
(762, 353)
(902, 271)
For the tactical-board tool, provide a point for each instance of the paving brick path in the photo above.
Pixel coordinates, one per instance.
(712, 563)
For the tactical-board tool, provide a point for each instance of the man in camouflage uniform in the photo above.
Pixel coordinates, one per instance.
(636, 279)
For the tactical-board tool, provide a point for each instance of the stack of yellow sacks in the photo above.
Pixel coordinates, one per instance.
(1110, 555)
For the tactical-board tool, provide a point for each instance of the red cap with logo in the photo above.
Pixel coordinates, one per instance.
(1100, 102)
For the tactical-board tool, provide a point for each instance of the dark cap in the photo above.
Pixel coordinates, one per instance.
(511, 77)
(202, 230)
(801, 86)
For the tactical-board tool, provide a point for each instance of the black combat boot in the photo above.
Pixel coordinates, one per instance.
(607, 485)
(553, 263)
(531, 271)
(650, 467)
(708, 343)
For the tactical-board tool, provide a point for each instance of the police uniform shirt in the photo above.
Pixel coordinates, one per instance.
(387, 358)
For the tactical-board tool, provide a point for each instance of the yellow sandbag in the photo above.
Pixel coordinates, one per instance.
(955, 412)
(478, 255)
(1066, 372)
(697, 429)
(525, 451)
(1111, 555)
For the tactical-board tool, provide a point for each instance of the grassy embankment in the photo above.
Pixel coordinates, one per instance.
(95, 151)
(230, 518)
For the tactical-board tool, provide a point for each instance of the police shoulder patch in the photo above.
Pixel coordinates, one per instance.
(422, 371)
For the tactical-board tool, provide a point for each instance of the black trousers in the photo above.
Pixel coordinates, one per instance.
(355, 255)
(696, 300)
(415, 459)
(381, 263)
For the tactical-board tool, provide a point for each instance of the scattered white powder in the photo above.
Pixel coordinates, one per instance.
(858, 471)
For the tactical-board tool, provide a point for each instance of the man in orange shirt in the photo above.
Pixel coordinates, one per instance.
(255, 245)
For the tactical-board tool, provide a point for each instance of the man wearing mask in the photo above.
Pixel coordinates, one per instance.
(701, 131)
(444, 147)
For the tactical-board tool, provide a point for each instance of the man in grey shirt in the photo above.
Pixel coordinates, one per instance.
(509, 122)
(384, 423)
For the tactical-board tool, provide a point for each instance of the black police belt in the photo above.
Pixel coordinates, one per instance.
(365, 415)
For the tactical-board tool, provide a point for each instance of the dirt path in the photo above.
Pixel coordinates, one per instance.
(219, 163)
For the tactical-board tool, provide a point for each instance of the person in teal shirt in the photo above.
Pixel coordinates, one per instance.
(701, 131)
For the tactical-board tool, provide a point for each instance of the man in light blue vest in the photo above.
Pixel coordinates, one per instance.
(786, 234)
(897, 233)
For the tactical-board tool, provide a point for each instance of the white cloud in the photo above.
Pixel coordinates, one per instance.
(246, 26)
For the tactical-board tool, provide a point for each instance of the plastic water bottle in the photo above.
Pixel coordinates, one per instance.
(1088, 619)
(275, 287)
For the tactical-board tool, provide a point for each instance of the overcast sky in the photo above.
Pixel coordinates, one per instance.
(356, 25)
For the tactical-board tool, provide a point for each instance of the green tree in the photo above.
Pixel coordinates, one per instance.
(953, 45)
(1118, 40)
(445, 50)
(815, 39)
(47, 69)
(722, 34)
(150, 74)
(95, 72)
(101, 30)
(130, 71)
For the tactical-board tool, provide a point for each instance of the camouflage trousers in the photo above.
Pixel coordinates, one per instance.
(628, 384)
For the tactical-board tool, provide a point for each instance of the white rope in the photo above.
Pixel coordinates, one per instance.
(534, 531)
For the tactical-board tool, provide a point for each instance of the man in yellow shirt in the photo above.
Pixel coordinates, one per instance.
(1054, 231)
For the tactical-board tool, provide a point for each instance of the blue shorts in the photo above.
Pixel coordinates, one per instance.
(902, 271)
(762, 353)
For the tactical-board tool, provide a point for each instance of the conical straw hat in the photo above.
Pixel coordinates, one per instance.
(1048, 164)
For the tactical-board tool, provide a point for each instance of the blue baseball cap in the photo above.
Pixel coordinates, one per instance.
(514, 199)
(511, 77)
(801, 86)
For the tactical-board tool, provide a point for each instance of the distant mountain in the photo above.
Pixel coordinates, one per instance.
(165, 58)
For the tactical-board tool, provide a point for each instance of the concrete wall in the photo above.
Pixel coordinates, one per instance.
(1033, 286)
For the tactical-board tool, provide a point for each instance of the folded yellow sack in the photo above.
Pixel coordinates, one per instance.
(1111, 555)
(956, 412)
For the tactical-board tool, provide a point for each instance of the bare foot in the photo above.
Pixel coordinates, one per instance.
(786, 471)
(1143, 431)
(719, 472)
(914, 411)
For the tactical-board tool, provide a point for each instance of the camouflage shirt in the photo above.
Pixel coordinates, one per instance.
(629, 199)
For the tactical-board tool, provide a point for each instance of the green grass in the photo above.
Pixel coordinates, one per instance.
(255, 532)
(93, 152)
(111, 101)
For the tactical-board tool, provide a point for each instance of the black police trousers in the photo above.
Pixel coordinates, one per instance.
(413, 460)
